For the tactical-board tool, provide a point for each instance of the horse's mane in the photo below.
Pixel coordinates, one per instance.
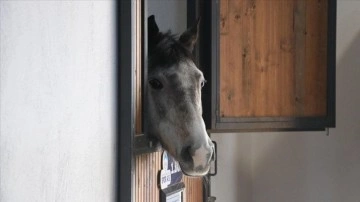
(165, 50)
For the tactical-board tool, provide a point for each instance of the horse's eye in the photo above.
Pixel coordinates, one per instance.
(156, 84)
(203, 83)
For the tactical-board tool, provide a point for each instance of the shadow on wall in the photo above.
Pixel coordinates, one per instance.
(310, 166)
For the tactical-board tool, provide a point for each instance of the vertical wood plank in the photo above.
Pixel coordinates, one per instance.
(224, 17)
(316, 52)
(300, 32)
(194, 188)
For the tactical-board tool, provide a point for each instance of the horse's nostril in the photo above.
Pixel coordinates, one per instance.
(186, 154)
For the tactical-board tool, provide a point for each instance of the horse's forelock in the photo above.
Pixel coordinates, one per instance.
(168, 51)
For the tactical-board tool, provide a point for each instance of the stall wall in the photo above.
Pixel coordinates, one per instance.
(302, 166)
(57, 101)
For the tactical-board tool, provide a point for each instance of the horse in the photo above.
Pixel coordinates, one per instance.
(173, 99)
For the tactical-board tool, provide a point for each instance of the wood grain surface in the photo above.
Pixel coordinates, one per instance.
(147, 188)
(273, 58)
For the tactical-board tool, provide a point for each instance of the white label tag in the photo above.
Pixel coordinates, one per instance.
(165, 178)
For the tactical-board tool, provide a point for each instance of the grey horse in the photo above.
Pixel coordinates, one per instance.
(174, 110)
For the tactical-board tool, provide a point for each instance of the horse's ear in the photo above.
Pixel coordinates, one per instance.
(189, 37)
(153, 29)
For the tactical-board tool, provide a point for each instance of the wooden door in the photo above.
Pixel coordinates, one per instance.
(274, 65)
(273, 58)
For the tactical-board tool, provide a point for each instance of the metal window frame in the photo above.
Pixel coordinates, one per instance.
(125, 118)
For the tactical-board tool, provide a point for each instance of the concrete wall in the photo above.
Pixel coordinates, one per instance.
(302, 166)
(57, 101)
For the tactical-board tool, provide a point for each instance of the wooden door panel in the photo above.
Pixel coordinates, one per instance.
(273, 58)
(147, 179)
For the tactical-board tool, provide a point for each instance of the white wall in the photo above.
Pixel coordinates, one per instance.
(57, 101)
(233, 183)
(302, 166)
